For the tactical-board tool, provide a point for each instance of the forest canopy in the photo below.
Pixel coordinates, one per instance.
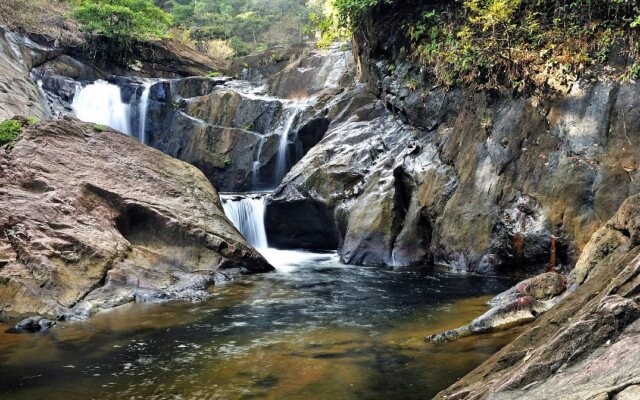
(244, 25)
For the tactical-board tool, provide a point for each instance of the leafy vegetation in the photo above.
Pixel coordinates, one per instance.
(115, 25)
(504, 42)
(9, 131)
(101, 128)
(122, 19)
(241, 25)
(493, 42)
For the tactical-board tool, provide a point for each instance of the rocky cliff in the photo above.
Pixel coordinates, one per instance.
(92, 219)
(481, 180)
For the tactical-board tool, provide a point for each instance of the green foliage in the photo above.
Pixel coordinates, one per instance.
(31, 120)
(509, 42)
(101, 128)
(122, 19)
(214, 74)
(632, 73)
(339, 18)
(114, 26)
(227, 161)
(9, 131)
(248, 25)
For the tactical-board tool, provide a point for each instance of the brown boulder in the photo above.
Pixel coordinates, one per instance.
(91, 220)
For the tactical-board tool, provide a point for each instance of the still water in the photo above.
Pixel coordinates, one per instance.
(315, 329)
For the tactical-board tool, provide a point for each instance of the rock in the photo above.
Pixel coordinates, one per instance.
(586, 346)
(34, 324)
(629, 393)
(19, 94)
(517, 312)
(313, 72)
(519, 305)
(541, 287)
(68, 67)
(92, 220)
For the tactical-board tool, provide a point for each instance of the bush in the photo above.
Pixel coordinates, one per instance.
(121, 23)
(9, 131)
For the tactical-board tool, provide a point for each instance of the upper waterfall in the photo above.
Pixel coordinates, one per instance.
(101, 103)
(142, 113)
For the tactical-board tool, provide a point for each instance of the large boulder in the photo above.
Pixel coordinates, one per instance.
(92, 219)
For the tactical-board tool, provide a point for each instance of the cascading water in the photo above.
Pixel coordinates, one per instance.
(101, 103)
(142, 112)
(255, 170)
(246, 211)
(281, 161)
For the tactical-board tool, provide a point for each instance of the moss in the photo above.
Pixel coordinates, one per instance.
(31, 120)
(214, 74)
(227, 161)
(9, 131)
(101, 128)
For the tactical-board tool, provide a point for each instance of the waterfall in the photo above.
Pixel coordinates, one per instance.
(101, 103)
(142, 112)
(255, 170)
(246, 211)
(281, 161)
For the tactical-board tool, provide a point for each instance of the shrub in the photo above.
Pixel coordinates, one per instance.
(120, 23)
(31, 120)
(9, 131)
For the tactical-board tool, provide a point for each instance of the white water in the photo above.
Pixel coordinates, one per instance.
(247, 214)
(255, 170)
(142, 112)
(101, 103)
(281, 161)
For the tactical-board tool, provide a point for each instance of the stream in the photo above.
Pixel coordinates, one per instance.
(313, 329)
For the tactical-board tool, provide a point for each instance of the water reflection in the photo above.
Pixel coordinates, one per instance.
(314, 329)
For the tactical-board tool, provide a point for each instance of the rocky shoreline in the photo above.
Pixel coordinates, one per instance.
(93, 219)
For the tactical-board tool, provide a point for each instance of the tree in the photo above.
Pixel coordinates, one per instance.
(122, 20)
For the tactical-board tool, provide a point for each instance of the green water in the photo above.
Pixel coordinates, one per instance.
(315, 329)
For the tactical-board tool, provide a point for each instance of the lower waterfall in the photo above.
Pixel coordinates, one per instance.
(246, 211)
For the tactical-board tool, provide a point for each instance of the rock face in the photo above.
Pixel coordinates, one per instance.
(91, 220)
(19, 94)
(231, 130)
(588, 345)
(478, 180)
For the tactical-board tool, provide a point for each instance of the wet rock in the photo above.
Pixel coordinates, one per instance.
(517, 312)
(93, 220)
(34, 324)
(541, 287)
(519, 305)
(19, 94)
